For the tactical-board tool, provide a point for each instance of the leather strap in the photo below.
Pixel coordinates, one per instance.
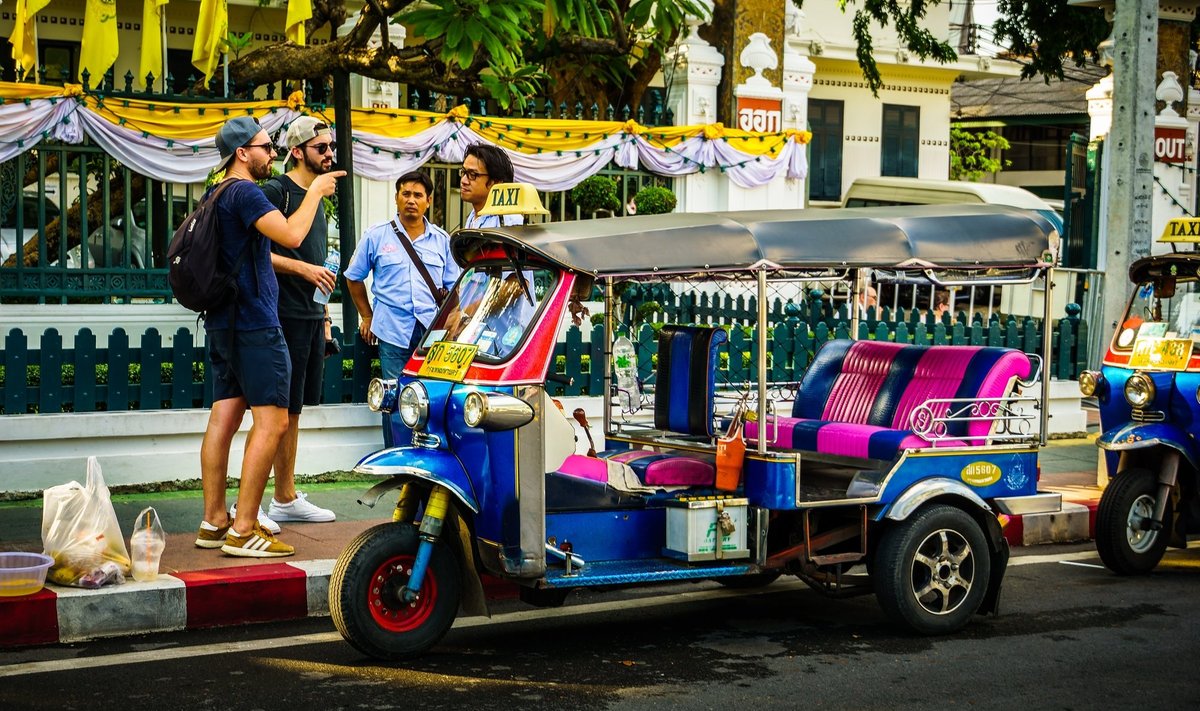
(435, 291)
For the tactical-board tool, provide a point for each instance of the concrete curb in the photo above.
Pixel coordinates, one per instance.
(1075, 523)
(272, 592)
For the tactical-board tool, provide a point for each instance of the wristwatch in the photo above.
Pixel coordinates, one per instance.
(328, 319)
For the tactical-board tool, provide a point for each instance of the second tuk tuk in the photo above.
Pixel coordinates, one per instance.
(887, 467)
(1148, 390)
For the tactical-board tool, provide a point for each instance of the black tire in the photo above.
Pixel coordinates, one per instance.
(749, 582)
(1124, 547)
(365, 586)
(931, 571)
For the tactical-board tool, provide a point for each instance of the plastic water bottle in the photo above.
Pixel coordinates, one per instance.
(333, 261)
(625, 364)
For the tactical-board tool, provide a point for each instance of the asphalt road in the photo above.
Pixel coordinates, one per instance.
(1071, 636)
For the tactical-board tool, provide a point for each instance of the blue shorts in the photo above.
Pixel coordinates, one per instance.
(256, 366)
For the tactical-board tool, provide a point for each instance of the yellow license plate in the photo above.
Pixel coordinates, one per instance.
(1161, 353)
(447, 360)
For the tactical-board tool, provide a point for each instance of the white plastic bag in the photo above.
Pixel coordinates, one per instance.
(146, 545)
(80, 532)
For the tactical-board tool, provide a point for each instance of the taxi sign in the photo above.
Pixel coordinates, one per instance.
(447, 360)
(513, 199)
(1161, 353)
(1181, 229)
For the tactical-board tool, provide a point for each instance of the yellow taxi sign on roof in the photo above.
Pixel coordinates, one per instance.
(1181, 229)
(513, 199)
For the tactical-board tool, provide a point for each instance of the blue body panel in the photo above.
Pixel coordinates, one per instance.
(625, 534)
(642, 571)
(444, 468)
(1175, 396)
(770, 484)
(1017, 474)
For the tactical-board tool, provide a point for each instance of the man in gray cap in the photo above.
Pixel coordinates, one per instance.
(305, 321)
(250, 364)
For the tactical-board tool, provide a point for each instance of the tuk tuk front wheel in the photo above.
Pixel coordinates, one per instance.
(931, 570)
(1126, 545)
(366, 587)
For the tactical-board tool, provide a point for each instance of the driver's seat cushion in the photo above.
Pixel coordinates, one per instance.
(685, 378)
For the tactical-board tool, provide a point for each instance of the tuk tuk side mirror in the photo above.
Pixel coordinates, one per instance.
(1166, 288)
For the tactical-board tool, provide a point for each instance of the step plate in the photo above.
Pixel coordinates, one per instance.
(648, 571)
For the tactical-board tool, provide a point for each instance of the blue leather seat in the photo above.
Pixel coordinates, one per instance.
(685, 378)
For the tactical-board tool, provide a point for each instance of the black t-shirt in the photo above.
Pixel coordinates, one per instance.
(296, 293)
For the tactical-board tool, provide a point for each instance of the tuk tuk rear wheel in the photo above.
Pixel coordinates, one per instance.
(365, 593)
(931, 571)
(1124, 546)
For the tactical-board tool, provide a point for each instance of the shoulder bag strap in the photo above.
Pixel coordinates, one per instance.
(434, 290)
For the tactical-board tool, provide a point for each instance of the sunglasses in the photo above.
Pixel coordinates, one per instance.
(322, 148)
(268, 147)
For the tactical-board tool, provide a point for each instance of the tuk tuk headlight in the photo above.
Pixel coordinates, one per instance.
(1087, 382)
(414, 405)
(496, 411)
(381, 395)
(1139, 390)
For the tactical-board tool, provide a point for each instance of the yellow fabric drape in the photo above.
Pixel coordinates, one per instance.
(24, 35)
(298, 11)
(152, 47)
(212, 28)
(98, 47)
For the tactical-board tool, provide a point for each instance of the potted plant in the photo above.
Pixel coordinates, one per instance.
(654, 200)
(596, 194)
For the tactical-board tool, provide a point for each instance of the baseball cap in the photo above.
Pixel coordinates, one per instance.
(236, 133)
(303, 130)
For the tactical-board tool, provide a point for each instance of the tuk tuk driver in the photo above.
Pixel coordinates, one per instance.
(484, 165)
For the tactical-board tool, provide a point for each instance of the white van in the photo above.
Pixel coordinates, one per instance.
(874, 192)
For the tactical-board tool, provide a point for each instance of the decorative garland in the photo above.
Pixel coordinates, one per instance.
(174, 142)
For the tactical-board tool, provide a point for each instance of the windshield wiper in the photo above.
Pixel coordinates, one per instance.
(512, 259)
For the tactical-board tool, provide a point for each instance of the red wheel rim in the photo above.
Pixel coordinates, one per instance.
(383, 596)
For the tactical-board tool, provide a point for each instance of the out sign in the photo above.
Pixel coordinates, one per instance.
(1170, 145)
(761, 115)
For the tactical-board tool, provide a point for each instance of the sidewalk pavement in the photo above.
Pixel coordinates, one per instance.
(200, 588)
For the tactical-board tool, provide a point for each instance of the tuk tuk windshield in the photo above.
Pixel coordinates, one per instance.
(492, 306)
(1160, 310)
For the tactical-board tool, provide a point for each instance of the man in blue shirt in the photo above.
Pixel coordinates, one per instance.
(484, 165)
(403, 307)
(250, 363)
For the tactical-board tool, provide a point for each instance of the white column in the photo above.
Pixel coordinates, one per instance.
(759, 55)
(692, 97)
(1172, 192)
(798, 71)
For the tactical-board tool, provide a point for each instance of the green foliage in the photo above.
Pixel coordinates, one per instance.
(597, 192)
(235, 43)
(1046, 33)
(971, 153)
(654, 200)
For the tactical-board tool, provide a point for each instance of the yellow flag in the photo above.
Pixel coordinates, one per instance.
(98, 48)
(152, 48)
(298, 12)
(211, 30)
(24, 35)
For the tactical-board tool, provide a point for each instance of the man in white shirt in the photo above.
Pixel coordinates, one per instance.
(484, 165)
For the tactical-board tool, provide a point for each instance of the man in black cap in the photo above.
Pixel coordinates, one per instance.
(250, 363)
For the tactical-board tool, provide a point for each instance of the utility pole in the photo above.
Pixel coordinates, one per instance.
(1130, 148)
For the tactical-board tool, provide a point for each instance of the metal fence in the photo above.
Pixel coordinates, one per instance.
(143, 373)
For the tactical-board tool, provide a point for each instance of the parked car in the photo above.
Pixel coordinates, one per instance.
(878, 192)
(10, 241)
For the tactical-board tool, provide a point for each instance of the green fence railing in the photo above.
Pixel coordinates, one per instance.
(143, 372)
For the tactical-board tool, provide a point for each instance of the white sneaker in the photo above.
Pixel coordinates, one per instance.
(300, 510)
(263, 521)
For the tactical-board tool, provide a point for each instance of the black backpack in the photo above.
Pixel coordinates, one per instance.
(198, 279)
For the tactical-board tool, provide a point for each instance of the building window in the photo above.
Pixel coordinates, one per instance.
(901, 141)
(825, 120)
(1037, 147)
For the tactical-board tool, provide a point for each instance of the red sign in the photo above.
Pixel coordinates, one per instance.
(1170, 145)
(762, 115)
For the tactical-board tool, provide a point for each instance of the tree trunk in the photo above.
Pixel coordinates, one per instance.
(95, 215)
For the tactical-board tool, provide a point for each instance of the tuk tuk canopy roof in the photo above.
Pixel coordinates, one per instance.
(931, 236)
(1182, 265)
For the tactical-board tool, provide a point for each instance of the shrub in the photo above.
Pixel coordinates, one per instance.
(654, 201)
(596, 193)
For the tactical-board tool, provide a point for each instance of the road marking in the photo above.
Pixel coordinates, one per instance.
(1081, 565)
(1051, 558)
(164, 654)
